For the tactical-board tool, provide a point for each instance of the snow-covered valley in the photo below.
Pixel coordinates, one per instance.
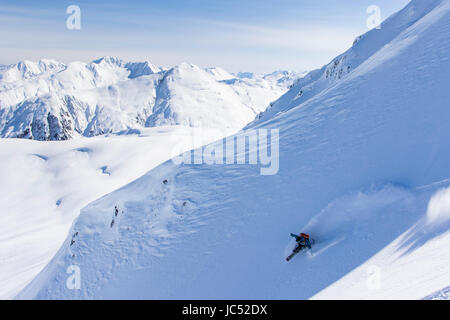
(364, 153)
(45, 184)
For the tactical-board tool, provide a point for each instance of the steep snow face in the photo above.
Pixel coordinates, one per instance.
(259, 91)
(45, 184)
(219, 74)
(363, 169)
(56, 102)
(363, 47)
(188, 95)
(48, 100)
(138, 69)
(415, 264)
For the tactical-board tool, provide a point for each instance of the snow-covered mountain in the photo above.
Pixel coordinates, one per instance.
(48, 100)
(364, 148)
(363, 48)
(45, 184)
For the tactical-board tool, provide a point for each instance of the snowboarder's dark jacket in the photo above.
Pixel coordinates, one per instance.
(302, 240)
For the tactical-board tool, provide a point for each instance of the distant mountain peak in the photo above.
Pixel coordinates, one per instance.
(109, 60)
(48, 100)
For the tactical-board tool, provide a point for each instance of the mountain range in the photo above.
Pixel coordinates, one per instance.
(49, 100)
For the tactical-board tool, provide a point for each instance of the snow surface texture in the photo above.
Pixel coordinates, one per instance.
(48, 100)
(363, 169)
(45, 184)
(363, 49)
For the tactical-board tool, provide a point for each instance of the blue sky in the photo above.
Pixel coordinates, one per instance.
(238, 35)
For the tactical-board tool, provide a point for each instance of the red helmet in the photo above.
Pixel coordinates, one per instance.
(304, 235)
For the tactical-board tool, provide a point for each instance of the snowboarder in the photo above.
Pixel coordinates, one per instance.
(302, 242)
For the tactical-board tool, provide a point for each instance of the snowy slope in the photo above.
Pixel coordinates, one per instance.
(45, 184)
(363, 169)
(189, 96)
(47, 100)
(363, 47)
(413, 266)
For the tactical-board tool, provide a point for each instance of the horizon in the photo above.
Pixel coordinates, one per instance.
(251, 36)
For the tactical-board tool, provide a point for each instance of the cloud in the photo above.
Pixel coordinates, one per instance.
(299, 37)
(29, 33)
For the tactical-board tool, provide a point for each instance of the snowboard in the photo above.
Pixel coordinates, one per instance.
(298, 249)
